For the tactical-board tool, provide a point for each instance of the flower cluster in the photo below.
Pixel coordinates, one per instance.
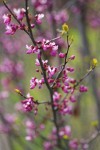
(19, 14)
(44, 45)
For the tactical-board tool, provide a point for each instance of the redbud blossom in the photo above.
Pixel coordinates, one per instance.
(72, 98)
(62, 55)
(83, 88)
(66, 89)
(29, 49)
(72, 57)
(33, 83)
(11, 29)
(50, 46)
(56, 96)
(28, 104)
(70, 69)
(38, 18)
(32, 49)
(20, 13)
(7, 19)
(51, 71)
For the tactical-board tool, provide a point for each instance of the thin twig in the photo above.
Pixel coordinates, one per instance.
(93, 137)
(53, 39)
(28, 22)
(86, 75)
(90, 139)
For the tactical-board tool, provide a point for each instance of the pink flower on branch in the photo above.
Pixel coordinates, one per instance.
(20, 13)
(7, 19)
(83, 88)
(11, 29)
(38, 18)
(28, 104)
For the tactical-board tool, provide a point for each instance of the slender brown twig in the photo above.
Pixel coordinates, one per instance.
(28, 22)
(85, 76)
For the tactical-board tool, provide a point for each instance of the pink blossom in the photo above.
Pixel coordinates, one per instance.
(33, 83)
(62, 55)
(66, 110)
(32, 25)
(66, 89)
(53, 51)
(39, 17)
(20, 13)
(51, 46)
(40, 82)
(11, 29)
(71, 80)
(37, 63)
(70, 69)
(56, 96)
(72, 98)
(72, 57)
(51, 71)
(83, 88)
(66, 81)
(7, 18)
(29, 49)
(32, 49)
(28, 104)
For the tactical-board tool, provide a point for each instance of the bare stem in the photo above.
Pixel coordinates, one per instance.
(90, 139)
(53, 39)
(28, 22)
(85, 76)
(93, 137)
